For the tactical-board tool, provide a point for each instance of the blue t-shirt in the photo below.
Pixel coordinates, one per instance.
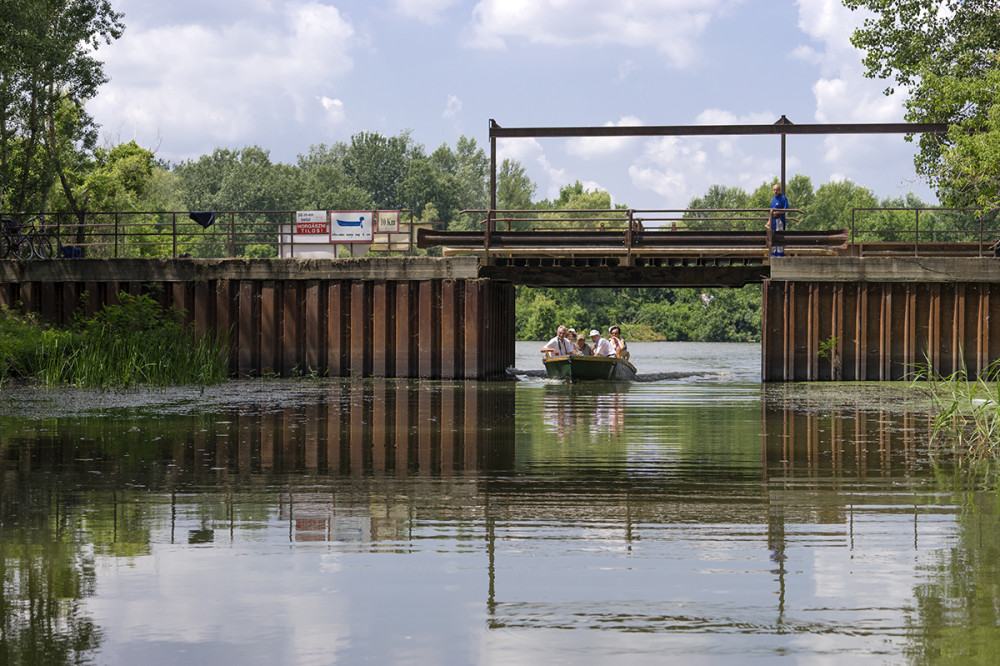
(779, 201)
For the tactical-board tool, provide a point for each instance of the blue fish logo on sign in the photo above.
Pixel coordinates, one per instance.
(351, 223)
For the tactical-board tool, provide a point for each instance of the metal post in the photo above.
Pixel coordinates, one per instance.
(916, 234)
(175, 234)
(493, 166)
(116, 235)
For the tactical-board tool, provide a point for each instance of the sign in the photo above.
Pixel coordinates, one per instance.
(388, 221)
(311, 222)
(351, 226)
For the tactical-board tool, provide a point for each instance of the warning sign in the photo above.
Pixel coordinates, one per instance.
(311, 222)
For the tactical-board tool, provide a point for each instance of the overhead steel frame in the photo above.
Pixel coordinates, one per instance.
(782, 127)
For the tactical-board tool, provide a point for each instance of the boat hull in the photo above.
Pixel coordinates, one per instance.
(585, 368)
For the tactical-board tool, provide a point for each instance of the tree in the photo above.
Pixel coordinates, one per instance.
(944, 52)
(832, 207)
(48, 69)
(378, 165)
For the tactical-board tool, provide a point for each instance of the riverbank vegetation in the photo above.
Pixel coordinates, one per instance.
(966, 424)
(136, 342)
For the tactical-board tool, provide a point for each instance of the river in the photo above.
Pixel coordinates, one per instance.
(695, 515)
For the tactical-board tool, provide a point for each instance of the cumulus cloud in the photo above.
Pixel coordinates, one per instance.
(334, 110)
(593, 146)
(217, 83)
(842, 93)
(670, 27)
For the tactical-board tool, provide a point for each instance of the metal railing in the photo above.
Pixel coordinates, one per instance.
(174, 234)
(934, 231)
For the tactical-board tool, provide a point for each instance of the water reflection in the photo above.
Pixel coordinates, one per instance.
(696, 520)
(592, 408)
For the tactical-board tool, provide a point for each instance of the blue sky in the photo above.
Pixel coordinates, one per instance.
(189, 76)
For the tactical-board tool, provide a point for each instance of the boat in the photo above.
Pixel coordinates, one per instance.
(580, 368)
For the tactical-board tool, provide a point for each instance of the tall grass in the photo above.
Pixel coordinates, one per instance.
(967, 413)
(135, 342)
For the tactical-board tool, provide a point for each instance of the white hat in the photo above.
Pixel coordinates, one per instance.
(594, 331)
(571, 330)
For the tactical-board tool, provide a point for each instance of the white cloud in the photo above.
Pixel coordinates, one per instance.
(588, 147)
(521, 150)
(219, 83)
(842, 93)
(425, 11)
(452, 108)
(334, 110)
(671, 27)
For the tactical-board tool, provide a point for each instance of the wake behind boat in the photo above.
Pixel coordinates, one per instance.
(580, 368)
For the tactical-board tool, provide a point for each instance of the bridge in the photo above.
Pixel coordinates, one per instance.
(852, 304)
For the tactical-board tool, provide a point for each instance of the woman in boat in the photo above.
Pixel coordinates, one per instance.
(582, 348)
(621, 347)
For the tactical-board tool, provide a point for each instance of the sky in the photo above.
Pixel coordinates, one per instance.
(189, 76)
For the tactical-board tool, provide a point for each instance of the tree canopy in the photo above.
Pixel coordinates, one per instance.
(944, 53)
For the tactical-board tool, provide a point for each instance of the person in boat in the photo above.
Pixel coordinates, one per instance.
(559, 345)
(601, 346)
(571, 336)
(582, 348)
(615, 337)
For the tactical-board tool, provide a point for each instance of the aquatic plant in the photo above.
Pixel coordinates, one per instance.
(135, 342)
(966, 412)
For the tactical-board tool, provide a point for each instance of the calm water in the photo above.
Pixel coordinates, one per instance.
(696, 516)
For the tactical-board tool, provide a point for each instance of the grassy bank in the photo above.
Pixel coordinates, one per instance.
(135, 342)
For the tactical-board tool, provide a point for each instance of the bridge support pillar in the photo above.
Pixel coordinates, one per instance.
(878, 330)
(406, 318)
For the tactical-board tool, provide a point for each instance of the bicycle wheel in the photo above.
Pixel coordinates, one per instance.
(21, 248)
(42, 246)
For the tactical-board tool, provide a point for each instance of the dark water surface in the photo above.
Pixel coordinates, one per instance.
(703, 518)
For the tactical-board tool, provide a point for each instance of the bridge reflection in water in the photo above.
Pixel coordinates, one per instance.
(397, 466)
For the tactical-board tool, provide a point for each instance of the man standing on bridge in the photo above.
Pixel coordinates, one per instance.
(778, 202)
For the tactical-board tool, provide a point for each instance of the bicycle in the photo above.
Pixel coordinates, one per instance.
(25, 240)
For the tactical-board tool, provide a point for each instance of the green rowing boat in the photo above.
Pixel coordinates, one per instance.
(580, 368)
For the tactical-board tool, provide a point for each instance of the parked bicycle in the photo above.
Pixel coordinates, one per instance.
(25, 240)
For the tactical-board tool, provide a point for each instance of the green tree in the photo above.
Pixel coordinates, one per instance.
(944, 52)
(378, 165)
(48, 64)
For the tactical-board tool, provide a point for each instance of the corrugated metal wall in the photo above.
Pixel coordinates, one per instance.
(435, 329)
(877, 331)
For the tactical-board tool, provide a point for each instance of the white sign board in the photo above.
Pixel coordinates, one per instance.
(312, 222)
(388, 221)
(351, 226)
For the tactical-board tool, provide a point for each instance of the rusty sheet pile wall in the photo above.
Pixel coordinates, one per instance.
(450, 328)
(878, 331)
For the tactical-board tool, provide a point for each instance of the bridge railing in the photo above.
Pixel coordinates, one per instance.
(624, 231)
(219, 234)
(924, 231)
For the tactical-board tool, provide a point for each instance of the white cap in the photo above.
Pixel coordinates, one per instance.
(571, 330)
(594, 331)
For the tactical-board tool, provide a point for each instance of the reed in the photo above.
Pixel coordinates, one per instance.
(135, 342)
(966, 413)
